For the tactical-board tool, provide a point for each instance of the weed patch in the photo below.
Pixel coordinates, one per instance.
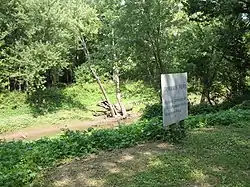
(22, 161)
(208, 157)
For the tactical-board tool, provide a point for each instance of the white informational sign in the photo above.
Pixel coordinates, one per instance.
(174, 98)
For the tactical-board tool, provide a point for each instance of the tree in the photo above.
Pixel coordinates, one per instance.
(147, 31)
(108, 54)
(200, 57)
(233, 37)
(45, 36)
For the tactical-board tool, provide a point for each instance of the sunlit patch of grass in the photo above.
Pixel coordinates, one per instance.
(60, 106)
(212, 157)
(198, 176)
(12, 123)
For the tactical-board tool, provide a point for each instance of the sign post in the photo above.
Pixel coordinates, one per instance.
(174, 98)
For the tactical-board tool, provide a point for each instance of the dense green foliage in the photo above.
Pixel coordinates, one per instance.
(44, 47)
(41, 43)
(40, 39)
(228, 47)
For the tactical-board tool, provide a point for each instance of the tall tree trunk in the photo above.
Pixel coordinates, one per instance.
(9, 85)
(20, 86)
(117, 80)
(203, 96)
(208, 97)
(27, 87)
(86, 51)
(118, 91)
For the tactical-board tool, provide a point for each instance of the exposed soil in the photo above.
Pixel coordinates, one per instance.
(96, 170)
(33, 133)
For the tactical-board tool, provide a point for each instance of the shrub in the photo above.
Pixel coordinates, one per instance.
(202, 109)
(223, 118)
(245, 105)
(152, 111)
(239, 103)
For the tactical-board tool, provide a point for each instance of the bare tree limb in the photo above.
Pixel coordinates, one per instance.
(86, 51)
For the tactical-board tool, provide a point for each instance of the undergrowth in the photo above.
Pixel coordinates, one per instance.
(22, 161)
(232, 107)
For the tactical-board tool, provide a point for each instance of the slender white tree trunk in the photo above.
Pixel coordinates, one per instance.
(112, 110)
(117, 80)
(118, 91)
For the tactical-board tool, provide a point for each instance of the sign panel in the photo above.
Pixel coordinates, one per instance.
(174, 98)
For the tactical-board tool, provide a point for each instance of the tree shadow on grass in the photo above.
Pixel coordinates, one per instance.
(145, 165)
(208, 158)
(51, 100)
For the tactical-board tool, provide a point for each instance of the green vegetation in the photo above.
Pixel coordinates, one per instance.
(43, 44)
(62, 105)
(47, 50)
(216, 157)
(53, 54)
(22, 161)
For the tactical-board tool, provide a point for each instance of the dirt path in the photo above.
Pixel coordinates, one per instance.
(33, 133)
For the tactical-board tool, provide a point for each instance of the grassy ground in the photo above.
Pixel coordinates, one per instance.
(217, 156)
(60, 106)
